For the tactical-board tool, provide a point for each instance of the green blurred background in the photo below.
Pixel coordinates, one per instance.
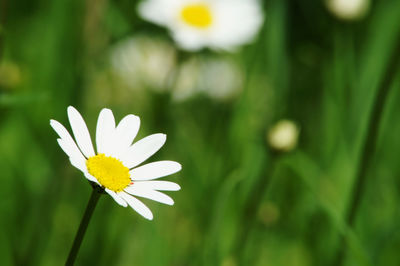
(242, 202)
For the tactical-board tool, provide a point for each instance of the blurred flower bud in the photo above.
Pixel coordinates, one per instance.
(229, 261)
(283, 136)
(269, 213)
(10, 75)
(348, 9)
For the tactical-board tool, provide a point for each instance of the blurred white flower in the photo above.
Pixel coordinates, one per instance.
(222, 78)
(145, 62)
(142, 61)
(218, 78)
(283, 136)
(348, 9)
(115, 165)
(196, 24)
(187, 80)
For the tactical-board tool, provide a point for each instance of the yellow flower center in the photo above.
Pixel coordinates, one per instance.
(197, 15)
(110, 172)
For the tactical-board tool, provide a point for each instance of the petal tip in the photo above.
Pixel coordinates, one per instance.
(72, 112)
(71, 108)
(105, 110)
(53, 123)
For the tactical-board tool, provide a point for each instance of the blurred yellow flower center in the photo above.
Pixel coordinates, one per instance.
(197, 15)
(110, 172)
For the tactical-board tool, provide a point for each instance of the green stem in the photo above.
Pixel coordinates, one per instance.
(251, 207)
(368, 149)
(94, 198)
(3, 14)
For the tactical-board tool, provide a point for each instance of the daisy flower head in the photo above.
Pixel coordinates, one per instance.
(115, 165)
(196, 24)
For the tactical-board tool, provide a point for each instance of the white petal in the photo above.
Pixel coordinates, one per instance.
(61, 130)
(91, 178)
(124, 135)
(81, 132)
(105, 131)
(189, 39)
(117, 198)
(155, 170)
(137, 205)
(237, 23)
(157, 11)
(75, 156)
(143, 149)
(78, 164)
(150, 194)
(68, 145)
(157, 185)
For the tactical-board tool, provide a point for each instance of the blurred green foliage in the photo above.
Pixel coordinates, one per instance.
(306, 65)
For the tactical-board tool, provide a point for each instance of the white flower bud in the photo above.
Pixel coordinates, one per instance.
(283, 136)
(348, 9)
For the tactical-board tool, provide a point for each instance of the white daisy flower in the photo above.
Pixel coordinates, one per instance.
(142, 61)
(115, 165)
(195, 24)
(219, 78)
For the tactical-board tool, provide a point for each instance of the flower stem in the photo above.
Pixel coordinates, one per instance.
(3, 18)
(94, 198)
(251, 207)
(369, 146)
